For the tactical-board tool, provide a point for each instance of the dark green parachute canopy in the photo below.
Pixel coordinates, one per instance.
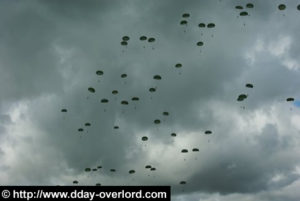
(135, 98)
(124, 43)
(282, 7)
(87, 169)
(75, 182)
(144, 138)
(248, 85)
(200, 43)
(64, 110)
(208, 132)
(178, 65)
(125, 38)
(152, 169)
(183, 22)
(99, 167)
(143, 38)
(239, 7)
(114, 92)
(249, 5)
(104, 100)
(184, 151)
(211, 25)
(112, 170)
(91, 89)
(290, 99)
(185, 15)
(151, 40)
(98, 184)
(123, 75)
(157, 121)
(173, 134)
(116, 127)
(165, 113)
(148, 166)
(124, 102)
(298, 7)
(195, 150)
(152, 89)
(201, 25)
(157, 77)
(99, 72)
(80, 129)
(182, 182)
(95, 169)
(244, 13)
(87, 124)
(241, 97)
(131, 171)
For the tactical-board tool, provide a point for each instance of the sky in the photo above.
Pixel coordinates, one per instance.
(50, 52)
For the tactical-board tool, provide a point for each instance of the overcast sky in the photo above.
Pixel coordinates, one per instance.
(50, 52)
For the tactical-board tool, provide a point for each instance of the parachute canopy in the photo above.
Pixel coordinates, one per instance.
(87, 124)
(185, 15)
(151, 40)
(200, 43)
(91, 89)
(244, 13)
(104, 100)
(123, 75)
(115, 92)
(183, 22)
(241, 97)
(152, 89)
(124, 102)
(80, 129)
(64, 110)
(249, 5)
(195, 150)
(290, 99)
(239, 7)
(143, 38)
(201, 25)
(184, 151)
(173, 134)
(178, 65)
(157, 77)
(124, 43)
(208, 132)
(157, 121)
(144, 138)
(182, 182)
(99, 72)
(125, 38)
(148, 166)
(131, 171)
(75, 182)
(87, 169)
(211, 25)
(165, 113)
(248, 85)
(282, 7)
(135, 98)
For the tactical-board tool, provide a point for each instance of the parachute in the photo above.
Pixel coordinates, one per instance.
(124, 75)
(114, 92)
(200, 43)
(144, 138)
(157, 121)
(157, 77)
(211, 25)
(242, 97)
(249, 5)
(87, 169)
(124, 43)
(248, 85)
(151, 40)
(183, 22)
(75, 182)
(152, 169)
(282, 7)
(195, 149)
(87, 124)
(298, 7)
(131, 171)
(184, 151)
(99, 72)
(148, 166)
(208, 132)
(91, 89)
(99, 167)
(98, 184)
(178, 65)
(152, 89)
(112, 170)
(142, 38)
(239, 7)
(201, 25)
(116, 127)
(94, 169)
(185, 15)
(135, 98)
(182, 182)
(80, 129)
(165, 113)
(64, 110)
(104, 100)
(244, 13)
(125, 38)
(173, 134)
(290, 99)
(124, 102)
